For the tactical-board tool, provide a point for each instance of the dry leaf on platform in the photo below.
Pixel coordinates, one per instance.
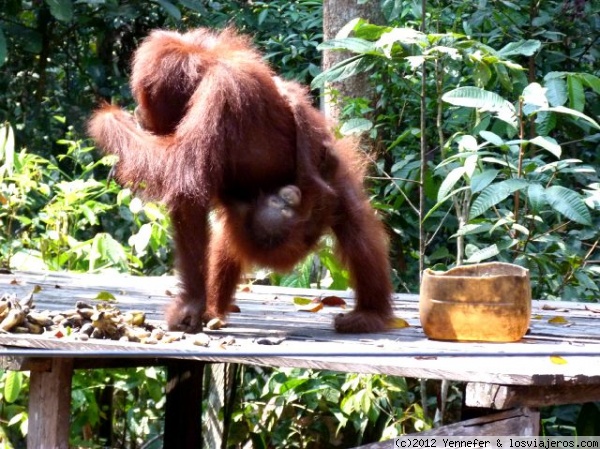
(311, 307)
(333, 301)
(558, 320)
(399, 323)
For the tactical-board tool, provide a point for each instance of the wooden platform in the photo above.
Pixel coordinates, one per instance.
(505, 375)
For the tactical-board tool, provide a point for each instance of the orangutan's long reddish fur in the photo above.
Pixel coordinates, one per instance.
(219, 132)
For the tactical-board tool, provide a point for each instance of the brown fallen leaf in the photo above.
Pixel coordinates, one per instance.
(558, 360)
(37, 288)
(536, 317)
(311, 307)
(245, 288)
(548, 307)
(333, 301)
(234, 308)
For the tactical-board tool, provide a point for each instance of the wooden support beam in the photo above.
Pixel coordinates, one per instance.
(501, 397)
(183, 414)
(516, 422)
(50, 406)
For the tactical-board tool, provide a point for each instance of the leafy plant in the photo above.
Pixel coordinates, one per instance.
(514, 204)
(305, 408)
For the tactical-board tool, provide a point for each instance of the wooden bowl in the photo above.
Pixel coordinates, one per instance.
(483, 302)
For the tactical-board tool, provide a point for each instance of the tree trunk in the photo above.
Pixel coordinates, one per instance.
(336, 14)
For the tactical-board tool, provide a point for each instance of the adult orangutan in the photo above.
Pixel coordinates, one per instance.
(220, 132)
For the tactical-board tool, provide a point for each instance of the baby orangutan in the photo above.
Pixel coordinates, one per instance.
(220, 132)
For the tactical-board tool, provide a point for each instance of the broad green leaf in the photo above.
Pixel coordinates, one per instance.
(483, 254)
(535, 95)
(141, 239)
(467, 143)
(481, 180)
(483, 100)
(502, 74)
(494, 194)
(576, 94)
(353, 44)
(3, 49)
(591, 80)
(537, 197)
(407, 36)
(556, 91)
(338, 72)
(391, 9)
(12, 386)
(469, 229)
(522, 47)
(573, 112)
(545, 122)
(61, 10)
(170, 8)
(549, 144)
(492, 138)
(356, 126)
(585, 280)
(449, 182)
(569, 203)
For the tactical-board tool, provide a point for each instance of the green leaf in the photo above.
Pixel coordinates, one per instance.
(352, 44)
(449, 182)
(548, 144)
(573, 112)
(170, 8)
(356, 126)
(591, 80)
(569, 203)
(483, 254)
(3, 49)
(494, 194)
(576, 93)
(12, 386)
(534, 98)
(545, 122)
(492, 138)
(537, 197)
(105, 296)
(481, 180)
(61, 10)
(406, 36)
(522, 47)
(585, 281)
(469, 229)
(340, 71)
(483, 100)
(556, 91)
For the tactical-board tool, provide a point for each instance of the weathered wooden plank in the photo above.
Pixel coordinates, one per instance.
(183, 412)
(50, 406)
(502, 397)
(269, 311)
(515, 422)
